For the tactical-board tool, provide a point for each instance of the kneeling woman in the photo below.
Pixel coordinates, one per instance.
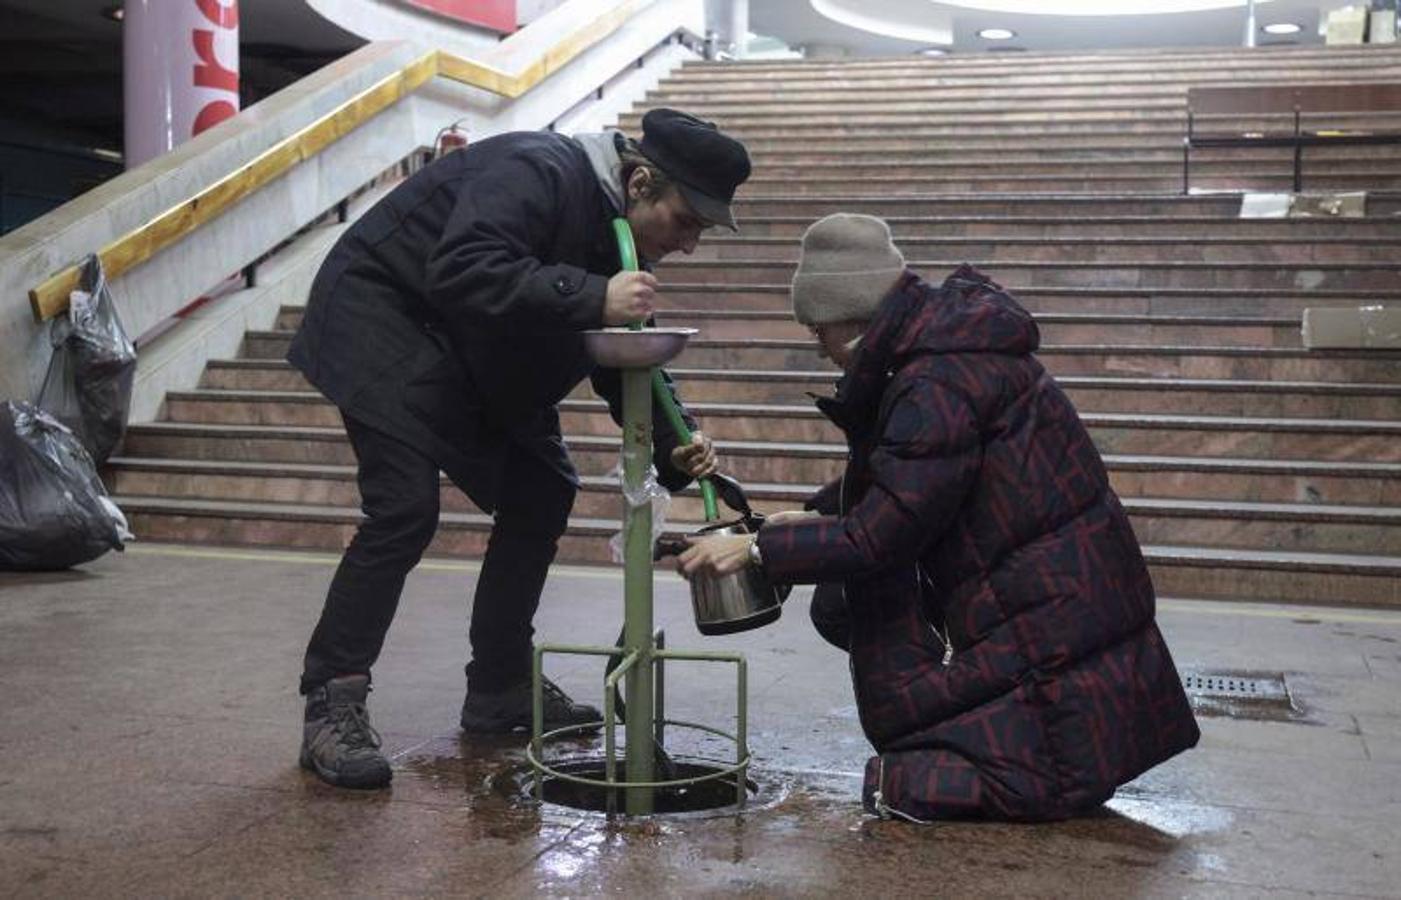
(997, 607)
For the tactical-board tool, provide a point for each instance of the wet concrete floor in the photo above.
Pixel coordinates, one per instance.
(149, 725)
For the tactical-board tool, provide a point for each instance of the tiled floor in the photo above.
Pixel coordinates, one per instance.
(149, 725)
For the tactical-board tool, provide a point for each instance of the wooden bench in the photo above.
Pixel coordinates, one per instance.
(1289, 104)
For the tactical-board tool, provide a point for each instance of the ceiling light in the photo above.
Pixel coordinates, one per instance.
(932, 51)
(115, 13)
(997, 34)
(1283, 28)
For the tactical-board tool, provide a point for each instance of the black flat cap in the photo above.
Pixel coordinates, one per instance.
(706, 164)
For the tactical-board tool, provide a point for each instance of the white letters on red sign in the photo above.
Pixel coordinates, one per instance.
(212, 78)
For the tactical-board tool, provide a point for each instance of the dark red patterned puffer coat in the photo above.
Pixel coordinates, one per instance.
(972, 478)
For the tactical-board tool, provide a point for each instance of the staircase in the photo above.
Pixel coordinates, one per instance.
(1251, 468)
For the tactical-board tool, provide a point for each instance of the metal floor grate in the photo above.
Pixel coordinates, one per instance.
(1227, 686)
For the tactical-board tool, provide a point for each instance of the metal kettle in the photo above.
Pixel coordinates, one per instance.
(742, 600)
(736, 602)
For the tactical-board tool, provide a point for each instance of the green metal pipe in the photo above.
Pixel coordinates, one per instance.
(627, 257)
(621, 672)
(581, 649)
(637, 587)
(610, 723)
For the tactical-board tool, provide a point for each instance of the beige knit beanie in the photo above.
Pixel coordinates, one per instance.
(847, 266)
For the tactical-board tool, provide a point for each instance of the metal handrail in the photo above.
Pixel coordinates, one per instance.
(50, 297)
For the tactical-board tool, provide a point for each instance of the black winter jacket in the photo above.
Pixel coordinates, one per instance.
(450, 314)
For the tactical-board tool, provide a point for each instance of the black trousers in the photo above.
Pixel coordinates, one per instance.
(399, 489)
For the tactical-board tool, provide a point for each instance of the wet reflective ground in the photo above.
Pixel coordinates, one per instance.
(149, 725)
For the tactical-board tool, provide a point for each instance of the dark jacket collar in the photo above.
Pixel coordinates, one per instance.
(968, 313)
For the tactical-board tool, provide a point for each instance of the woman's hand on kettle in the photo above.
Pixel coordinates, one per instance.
(719, 555)
(698, 458)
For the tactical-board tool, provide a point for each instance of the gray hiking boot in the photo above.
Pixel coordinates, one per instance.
(338, 743)
(509, 710)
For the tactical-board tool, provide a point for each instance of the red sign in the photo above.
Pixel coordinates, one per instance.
(209, 71)
(498, 15)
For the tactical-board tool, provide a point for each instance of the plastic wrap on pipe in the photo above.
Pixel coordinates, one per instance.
(649, 492)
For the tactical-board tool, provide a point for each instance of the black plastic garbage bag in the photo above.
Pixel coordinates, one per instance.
(88, 384)
(54, 512)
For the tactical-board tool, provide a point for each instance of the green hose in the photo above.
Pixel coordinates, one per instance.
(627, 256)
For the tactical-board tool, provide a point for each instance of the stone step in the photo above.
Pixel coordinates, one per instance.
(1126, 433)
(1055, 328)
(221, 427)
(252, 375)
(943, 141)
(975, 118)
(935, 101)
(773, 299)
(1075, 206)
(1274, 576)
(1064, 328)
(1096, 393)
(1217, 522)
(844, 84)
(1269, 63)
(1168, 127)
(1096, 228)
(1228, 397)
(1117, 249)
(1154, 166)
(1123, 273)
(1254, 363)
(1308, 485)
(1007, 87)
(1112, 114)
(1285, 527)
(1060, 300)
(848, 80)
(1112, 149)
(1177, 570)
(1086, 181)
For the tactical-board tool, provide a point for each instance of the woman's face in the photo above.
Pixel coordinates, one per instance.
(836, 340)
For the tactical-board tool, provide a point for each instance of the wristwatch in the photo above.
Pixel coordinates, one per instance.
(756, 559)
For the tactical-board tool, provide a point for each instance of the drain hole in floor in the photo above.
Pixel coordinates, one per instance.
(713, 795)
(1240, 695)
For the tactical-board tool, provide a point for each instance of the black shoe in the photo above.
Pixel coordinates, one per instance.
(509, 710)
(338, 743)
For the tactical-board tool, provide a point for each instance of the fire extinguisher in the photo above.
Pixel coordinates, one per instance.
(449, 139)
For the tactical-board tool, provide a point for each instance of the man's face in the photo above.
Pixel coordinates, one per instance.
(663, 225)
